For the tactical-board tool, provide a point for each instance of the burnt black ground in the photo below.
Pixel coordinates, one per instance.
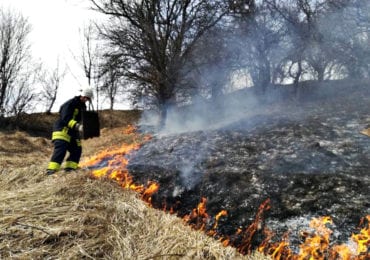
(307, 157)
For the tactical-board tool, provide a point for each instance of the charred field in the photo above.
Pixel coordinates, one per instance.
(298, 160)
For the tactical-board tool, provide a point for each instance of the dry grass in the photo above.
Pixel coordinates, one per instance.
(18, 149)
(73, 216)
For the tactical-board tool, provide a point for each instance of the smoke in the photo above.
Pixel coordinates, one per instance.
(267, 51)
(202, 114)
(189, 176)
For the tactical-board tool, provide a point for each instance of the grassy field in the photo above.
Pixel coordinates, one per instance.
(76, 216)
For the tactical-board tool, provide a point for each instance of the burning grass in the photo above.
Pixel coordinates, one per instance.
(315, 244)
(74, 216)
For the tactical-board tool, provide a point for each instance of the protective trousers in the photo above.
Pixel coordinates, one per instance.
(60, 149)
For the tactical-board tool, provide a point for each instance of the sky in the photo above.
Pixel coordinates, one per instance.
(56, 33)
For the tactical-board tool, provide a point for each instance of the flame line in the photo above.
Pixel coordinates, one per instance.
(112, 163)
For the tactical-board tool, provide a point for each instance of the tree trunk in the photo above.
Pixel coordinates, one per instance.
(320, 73)
(296, 80)
(162, 117)
(3, 87)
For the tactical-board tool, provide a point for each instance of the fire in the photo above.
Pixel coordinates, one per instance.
(113, 156)
(218, 216)
(361, 242)
(130, 129)
(112, 163)
(316, 244)
(148, 192)
(363, 239)
(248, 233)
(198, 217)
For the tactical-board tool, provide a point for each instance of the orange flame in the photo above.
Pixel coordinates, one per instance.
(114, 155)
(317, 244)
(199, 218)
(130, 129)
(363, 239)
(147, 194)
(218, 216)
(116, 163)
(198, 215)
(247, 235)
(315, 247)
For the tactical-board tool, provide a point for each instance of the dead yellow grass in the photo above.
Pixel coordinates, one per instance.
(18, 149)
(73, 216)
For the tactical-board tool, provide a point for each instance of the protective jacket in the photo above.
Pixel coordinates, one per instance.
(65, 137)
(70, 114)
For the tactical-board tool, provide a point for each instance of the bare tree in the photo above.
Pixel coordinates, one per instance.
(261, 34)
(50, 82)
(91, 59)
(111, 84)
(314, 45)
(350, 36)
(23, 97)
(14, 54)
(305, 48)
(151, 40)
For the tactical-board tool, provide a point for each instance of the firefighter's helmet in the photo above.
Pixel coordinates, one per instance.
(88, 92)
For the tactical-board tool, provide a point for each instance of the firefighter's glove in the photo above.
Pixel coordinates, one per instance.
(80, 129)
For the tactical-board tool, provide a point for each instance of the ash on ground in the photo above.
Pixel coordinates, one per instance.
(311, 160)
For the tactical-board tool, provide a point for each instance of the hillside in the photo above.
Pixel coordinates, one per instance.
(234, 152)
(74, 216)
(40, 124)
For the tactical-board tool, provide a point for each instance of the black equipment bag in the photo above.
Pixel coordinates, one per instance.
(91, 124)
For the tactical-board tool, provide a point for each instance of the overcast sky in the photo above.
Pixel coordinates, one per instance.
(56, 32)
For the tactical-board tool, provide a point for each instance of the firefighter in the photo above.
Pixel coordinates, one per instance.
(67, 133)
